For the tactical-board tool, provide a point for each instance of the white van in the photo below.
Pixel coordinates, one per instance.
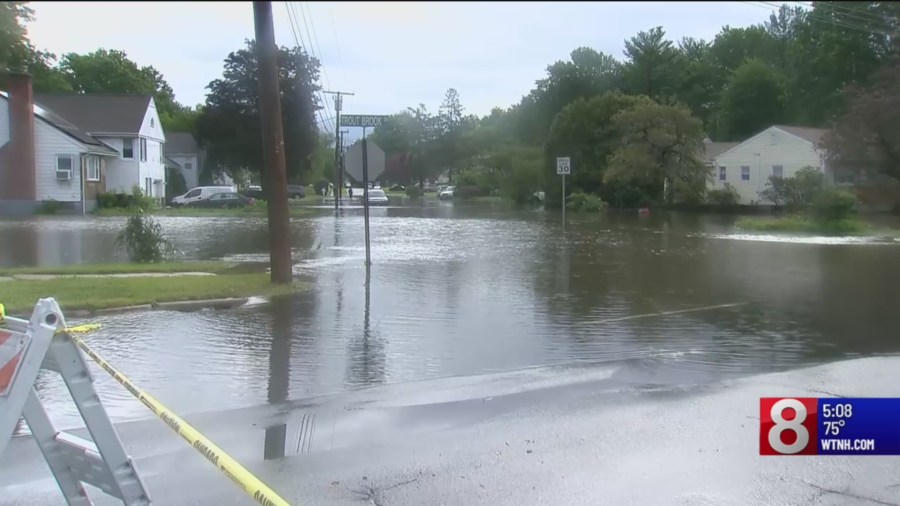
(200, 193)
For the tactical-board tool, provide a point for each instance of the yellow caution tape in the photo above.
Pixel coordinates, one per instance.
(252, 485)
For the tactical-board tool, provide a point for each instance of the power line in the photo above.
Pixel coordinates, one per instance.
(819, 17)
(298, 40)
(312, 24)
(338, 45)
(310, 47)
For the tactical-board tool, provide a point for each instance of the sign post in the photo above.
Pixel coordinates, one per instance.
(563, 168)
(360, 166)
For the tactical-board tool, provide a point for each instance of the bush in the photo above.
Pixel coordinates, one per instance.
(725, 197)
(834, 205)
(136, 200)
(414, 192)
(143, 240)
(50, 206)
(797, 192)
(466, 192)
(585, 202)
(319, 185)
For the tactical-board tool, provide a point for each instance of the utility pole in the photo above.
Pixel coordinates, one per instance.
(274, 177)
(338, 174)
(341, 157)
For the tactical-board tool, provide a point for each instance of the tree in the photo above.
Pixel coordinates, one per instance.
(650, 68)
(752, 101)
(584, 131)
(111, 71)
(869, 132)
(450, 127)
(229, 123)
(588, 74)
(660, 150)
(18, 55)
(698, 83)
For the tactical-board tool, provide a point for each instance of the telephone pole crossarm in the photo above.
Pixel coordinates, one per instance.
(338, 174)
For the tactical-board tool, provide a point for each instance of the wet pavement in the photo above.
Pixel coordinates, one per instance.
(564, 435)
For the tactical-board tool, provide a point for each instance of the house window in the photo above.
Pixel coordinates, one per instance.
(148, 186)
(128, 148)
(745, 173)
(778, 171)
(722, 172)
(161, 154)
(64, 164)
(188, 166)
(143, 149)
(93, 168)
(152, 123)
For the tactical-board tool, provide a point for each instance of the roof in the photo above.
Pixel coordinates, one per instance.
(813, 135)
(181, 142)
(98, 112)
(714, 149)
(171, 163)
(94, 145)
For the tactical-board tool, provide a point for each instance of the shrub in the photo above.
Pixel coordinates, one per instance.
(136, 200)
(585, 202)
(834, 205)
(725, 197)
(50, 206)
(466, 192)
(142, 238)
(797, 192)
(414, 192)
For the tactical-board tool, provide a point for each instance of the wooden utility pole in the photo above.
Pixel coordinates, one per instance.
(338, 173)
(274, 177)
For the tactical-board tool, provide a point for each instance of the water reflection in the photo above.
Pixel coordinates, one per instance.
(463, 290)
(281, 309)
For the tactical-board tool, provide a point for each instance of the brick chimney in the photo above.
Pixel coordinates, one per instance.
(17, 162)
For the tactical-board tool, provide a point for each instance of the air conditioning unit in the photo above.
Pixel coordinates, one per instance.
(63, 175)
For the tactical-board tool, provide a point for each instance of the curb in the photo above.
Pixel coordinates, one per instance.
(184, 306)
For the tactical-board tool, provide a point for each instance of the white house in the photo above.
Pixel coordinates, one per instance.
(127, 123)
(183, 150)
(778, 150)
(44, 158)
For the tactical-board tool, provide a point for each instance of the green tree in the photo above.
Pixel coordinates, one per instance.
(584, 131)
(588, 74)
(229, 125)
(752, 101)
(660, 150)
(450, 149)
(650, 69)
(697, 81)
(18, 55)
(111, 71)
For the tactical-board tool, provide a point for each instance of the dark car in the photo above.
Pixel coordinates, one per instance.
(295, 191)
(224, 200)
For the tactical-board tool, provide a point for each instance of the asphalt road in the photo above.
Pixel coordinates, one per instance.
(563, 436)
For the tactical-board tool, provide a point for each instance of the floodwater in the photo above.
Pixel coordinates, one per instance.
(460, 290)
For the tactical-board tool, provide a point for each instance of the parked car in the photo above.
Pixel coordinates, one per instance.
(446, 193)
(398, 188)
(200, 193)
(296, 191)
(377, 198)
(430, 187)
(223, 201)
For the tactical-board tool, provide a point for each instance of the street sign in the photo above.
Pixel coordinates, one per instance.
(353, 161)
(563, 166)
(362, 120)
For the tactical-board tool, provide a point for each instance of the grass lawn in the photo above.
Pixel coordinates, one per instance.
(255, 211)
(203, 266)
(803, 224)
(101, 293)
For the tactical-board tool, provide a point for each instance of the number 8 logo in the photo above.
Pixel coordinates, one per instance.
(795, 425)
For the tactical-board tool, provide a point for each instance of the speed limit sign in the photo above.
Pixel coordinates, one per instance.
(563, 166)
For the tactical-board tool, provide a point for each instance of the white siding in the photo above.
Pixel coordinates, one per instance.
(154, 168)
(50, 142)
(192, 176)
(122, 173)
(4, 122)
(761, 152)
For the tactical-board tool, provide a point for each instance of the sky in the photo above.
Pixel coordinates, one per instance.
(392, 55)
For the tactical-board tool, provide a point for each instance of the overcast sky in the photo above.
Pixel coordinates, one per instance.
(392, 55)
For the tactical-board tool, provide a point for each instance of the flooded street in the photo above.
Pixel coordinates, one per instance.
(470, 290)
